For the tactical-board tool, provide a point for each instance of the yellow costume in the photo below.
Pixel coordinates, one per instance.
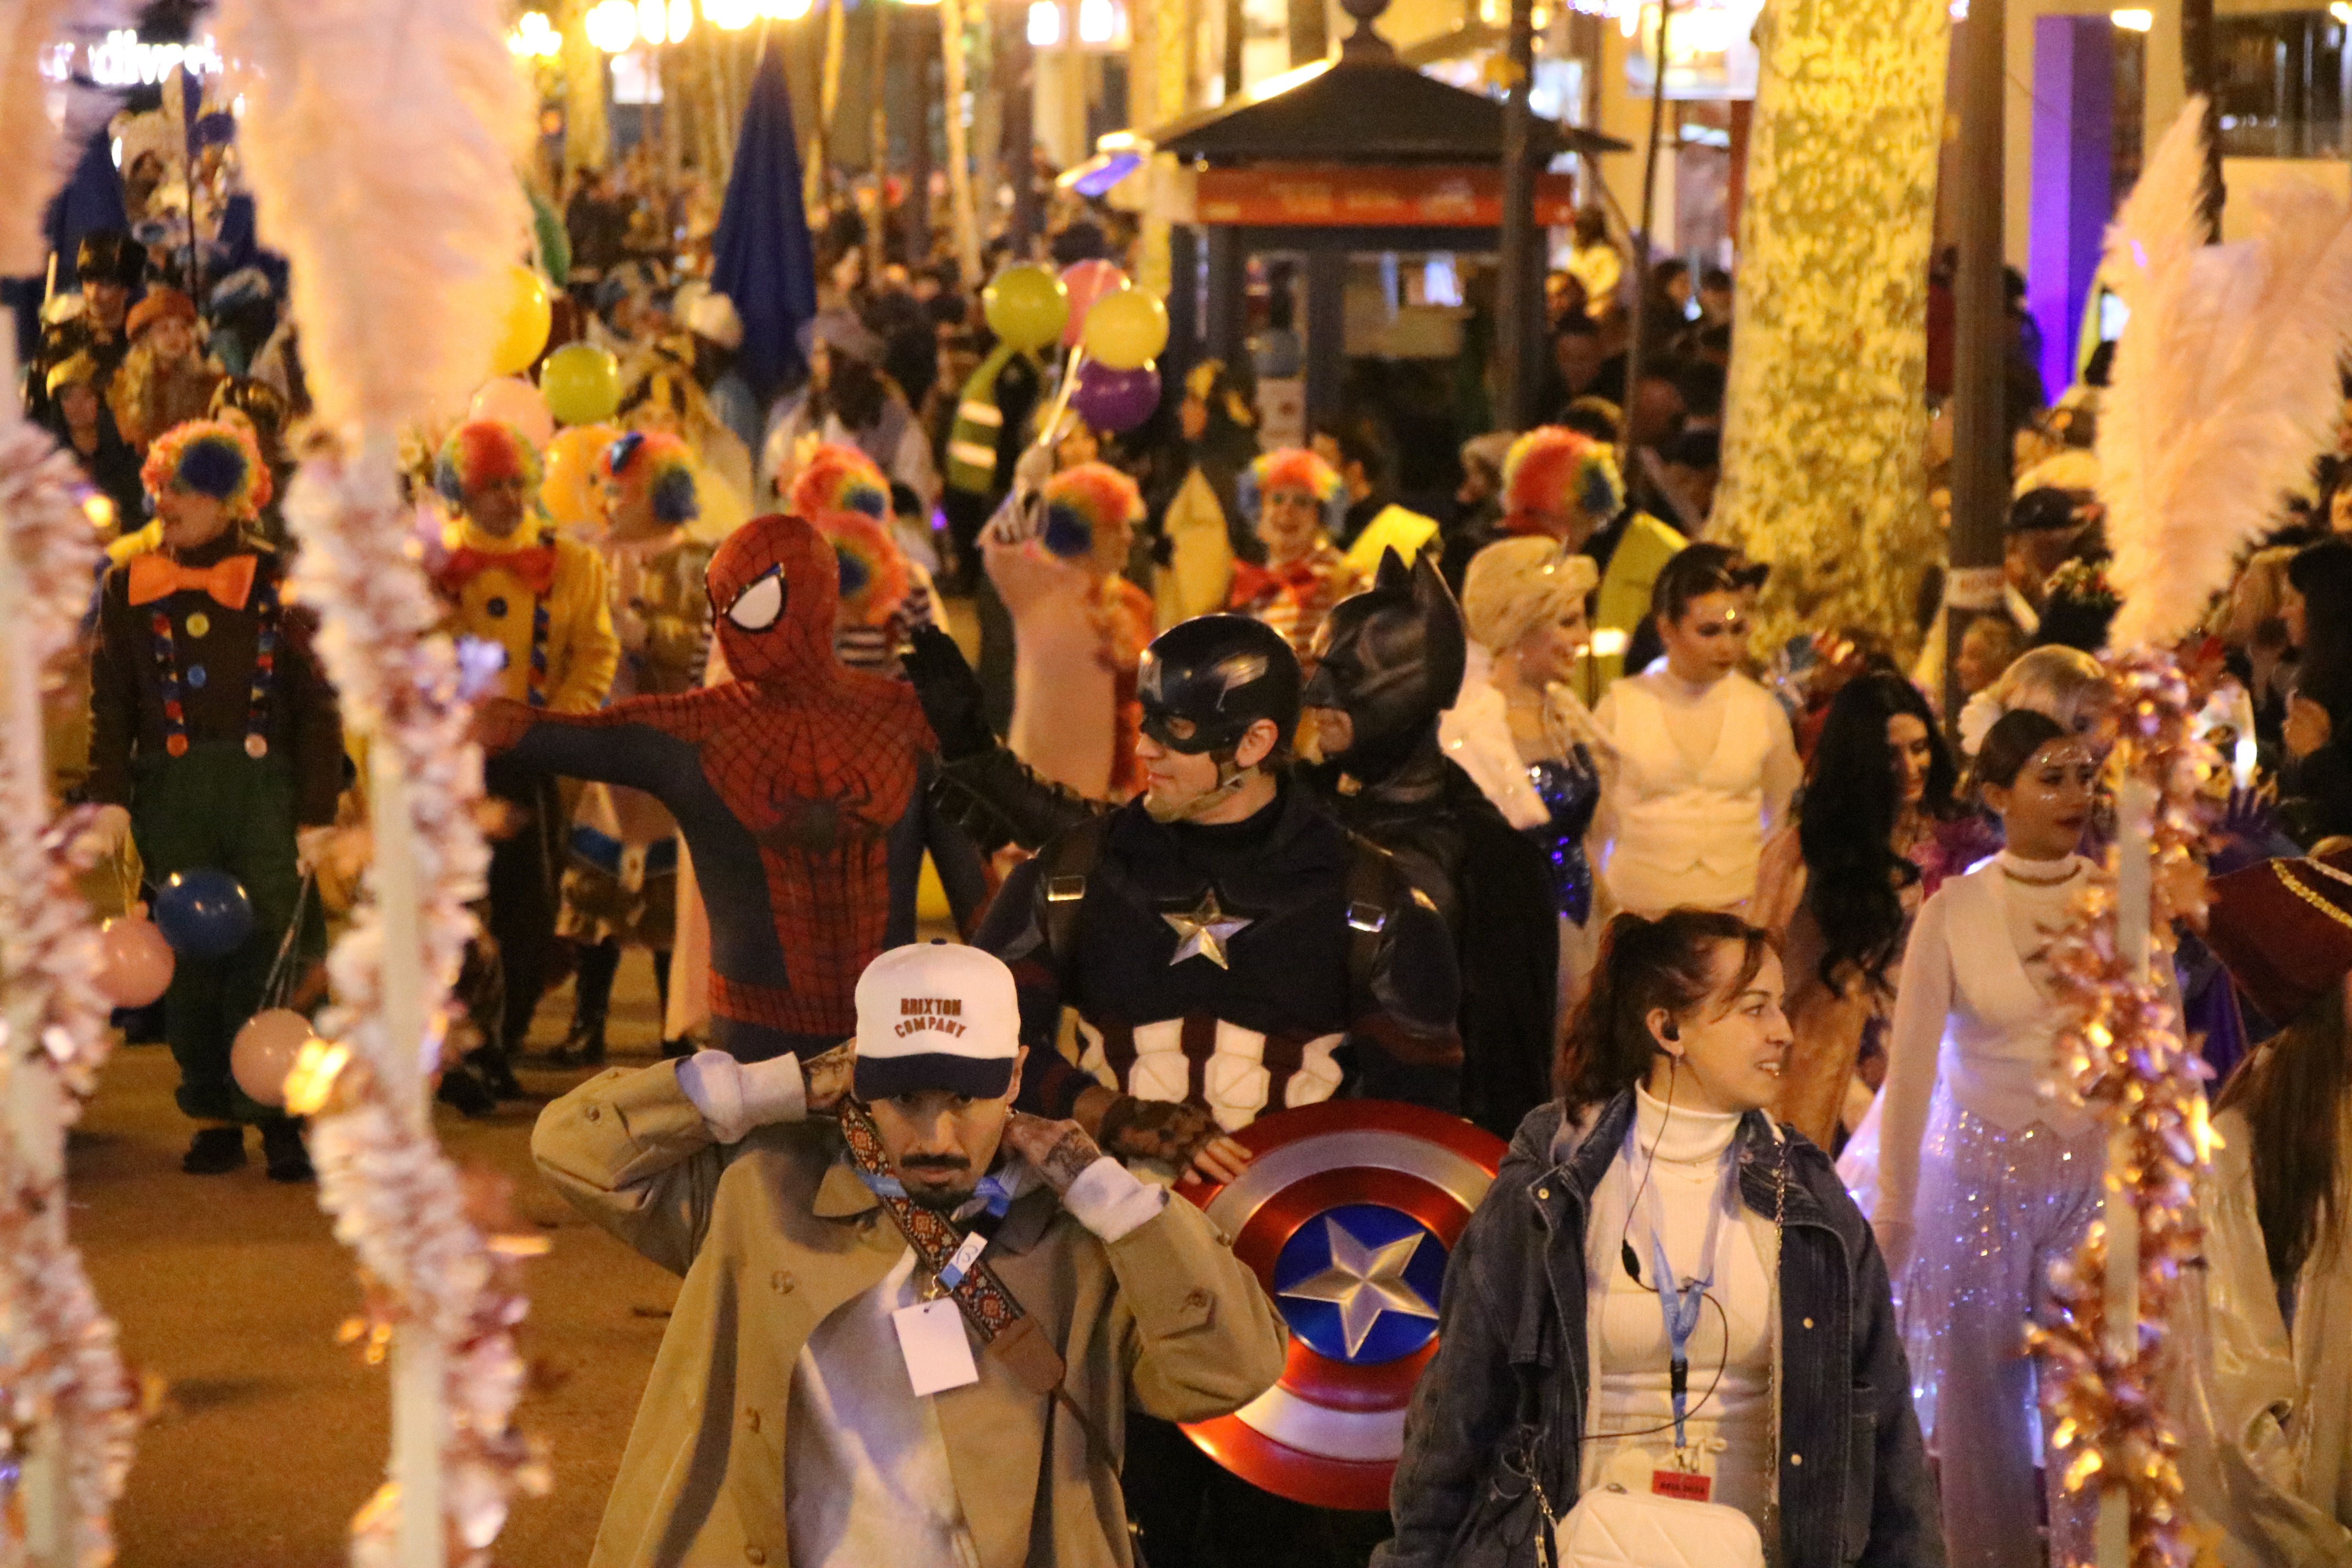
(497, 600)
(1392, 528)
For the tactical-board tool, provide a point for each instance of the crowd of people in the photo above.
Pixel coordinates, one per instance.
(1249, 784)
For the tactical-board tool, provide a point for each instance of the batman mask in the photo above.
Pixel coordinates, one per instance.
(1391, 659)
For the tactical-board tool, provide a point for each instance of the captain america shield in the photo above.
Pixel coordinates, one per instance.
(1346, 1215)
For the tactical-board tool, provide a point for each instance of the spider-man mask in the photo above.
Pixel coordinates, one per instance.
(773, 585)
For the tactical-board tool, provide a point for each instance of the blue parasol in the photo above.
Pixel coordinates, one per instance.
(761, 256)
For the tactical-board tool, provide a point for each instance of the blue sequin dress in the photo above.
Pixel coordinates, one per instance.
(1570, 788)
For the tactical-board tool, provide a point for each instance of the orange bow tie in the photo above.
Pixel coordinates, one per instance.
(154, 577)
(1252, 582)
(533, 567)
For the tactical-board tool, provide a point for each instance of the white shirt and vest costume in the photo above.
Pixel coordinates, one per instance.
(1700, 772)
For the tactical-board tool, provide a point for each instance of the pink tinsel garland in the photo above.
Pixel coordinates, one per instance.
(437, 1249)
(59, 1368)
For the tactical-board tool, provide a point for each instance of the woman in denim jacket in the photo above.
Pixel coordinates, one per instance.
(1554, 1373)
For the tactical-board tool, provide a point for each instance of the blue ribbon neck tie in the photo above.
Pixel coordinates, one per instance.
(994, 1193)
(1679, 1305)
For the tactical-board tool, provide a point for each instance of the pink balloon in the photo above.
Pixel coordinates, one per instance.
(1088, 281)
(510, 400)
(135, 963)
(265, 1052)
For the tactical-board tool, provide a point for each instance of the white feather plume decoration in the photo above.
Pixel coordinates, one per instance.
(381, 138)
(2224, 386)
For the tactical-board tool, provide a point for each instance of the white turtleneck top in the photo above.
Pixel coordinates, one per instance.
(1631, 1408)
(1976, 1010)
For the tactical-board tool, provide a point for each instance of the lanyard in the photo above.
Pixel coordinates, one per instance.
(1679, 1305)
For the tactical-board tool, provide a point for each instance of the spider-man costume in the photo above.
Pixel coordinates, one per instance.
(798, 784)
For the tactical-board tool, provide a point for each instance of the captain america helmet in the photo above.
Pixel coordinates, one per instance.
(1203, 682)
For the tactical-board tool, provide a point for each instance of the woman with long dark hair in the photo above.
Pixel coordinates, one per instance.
(1662, 1293)
(1878, 832)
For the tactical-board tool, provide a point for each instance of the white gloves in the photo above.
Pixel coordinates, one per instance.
(311, 847)
(107, 831)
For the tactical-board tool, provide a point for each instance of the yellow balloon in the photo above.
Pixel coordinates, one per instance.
(1126, 330)
(523, 331)
(572, 492)
(581, 383)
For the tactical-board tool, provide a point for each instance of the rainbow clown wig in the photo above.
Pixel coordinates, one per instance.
(481, 452)
(211, 459)
(655, 468)
(1089, 511)
(1551, 468)
(1291, 469)
(875, 576)
(838, 478)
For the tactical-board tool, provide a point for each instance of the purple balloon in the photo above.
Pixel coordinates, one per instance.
(1111, 399)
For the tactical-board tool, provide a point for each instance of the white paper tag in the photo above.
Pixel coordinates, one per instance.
(931, 1338)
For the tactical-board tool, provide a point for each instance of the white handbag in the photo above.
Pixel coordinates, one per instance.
(1612, 1528)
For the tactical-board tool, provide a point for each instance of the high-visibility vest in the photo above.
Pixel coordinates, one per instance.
(971, 439)
(1623, 599)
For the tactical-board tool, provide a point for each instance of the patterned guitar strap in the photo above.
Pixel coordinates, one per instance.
(1010, 1333)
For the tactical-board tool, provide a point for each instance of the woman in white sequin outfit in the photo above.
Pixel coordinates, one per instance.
(1977, 1199)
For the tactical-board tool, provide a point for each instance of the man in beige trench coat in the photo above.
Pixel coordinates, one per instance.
(780, 1424)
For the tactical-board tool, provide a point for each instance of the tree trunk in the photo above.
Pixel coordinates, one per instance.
(1823, 446)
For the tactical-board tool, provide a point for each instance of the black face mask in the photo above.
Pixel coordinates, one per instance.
(1392, 660)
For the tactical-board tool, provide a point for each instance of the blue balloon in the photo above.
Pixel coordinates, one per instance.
(203, 913)
(1277, 353)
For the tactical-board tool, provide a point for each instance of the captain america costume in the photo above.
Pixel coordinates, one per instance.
(1240, 968)
(798, 785)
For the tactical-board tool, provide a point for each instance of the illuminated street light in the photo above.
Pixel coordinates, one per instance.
(2134, 20)
(1045, 23)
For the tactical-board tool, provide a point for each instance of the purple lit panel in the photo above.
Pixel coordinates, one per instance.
(2073, 150)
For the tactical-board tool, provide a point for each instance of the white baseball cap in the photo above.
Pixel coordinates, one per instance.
(933, 1016)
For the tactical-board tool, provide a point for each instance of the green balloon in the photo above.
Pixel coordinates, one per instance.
(1026, 306)
(581, 383)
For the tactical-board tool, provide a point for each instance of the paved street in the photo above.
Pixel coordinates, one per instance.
(230, 1289)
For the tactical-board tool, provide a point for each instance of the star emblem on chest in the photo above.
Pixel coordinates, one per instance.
(1204, 930)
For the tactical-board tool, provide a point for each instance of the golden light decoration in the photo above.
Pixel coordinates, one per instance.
(731, 15)
(2132, 1063)
(533, 37)
(1824, 468)
(612, 25)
